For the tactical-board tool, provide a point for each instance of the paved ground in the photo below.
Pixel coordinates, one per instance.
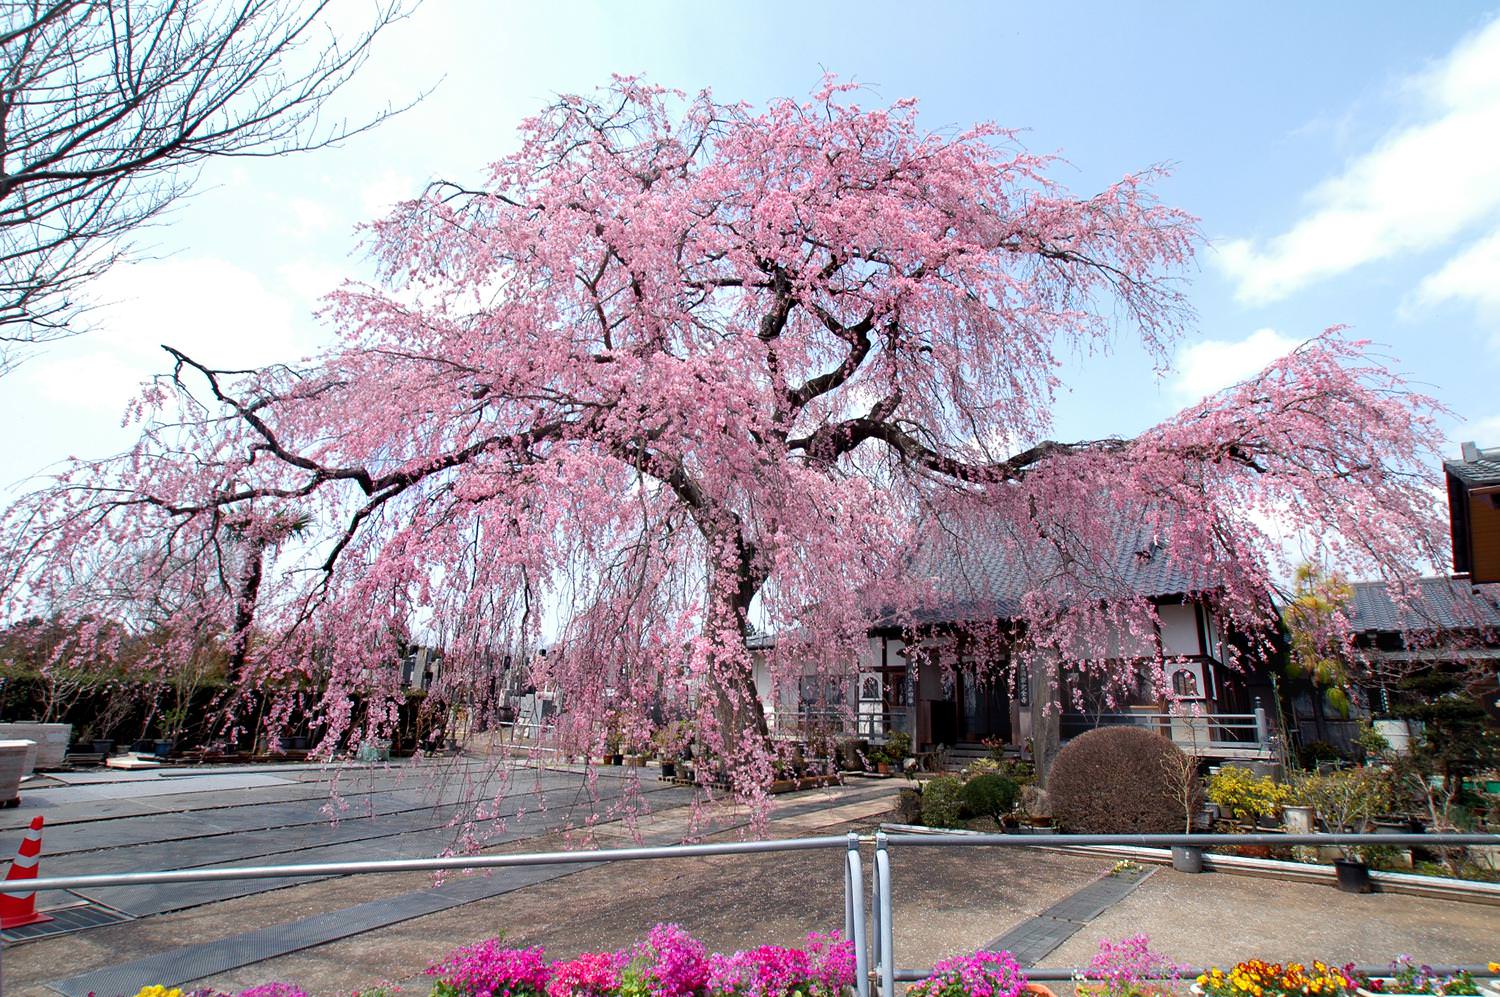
(948, 900)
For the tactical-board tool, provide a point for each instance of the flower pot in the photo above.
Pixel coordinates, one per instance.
(51, 740)
(102, 747)
(617, 759)
(1187, 858)
(1038, 990)
(1353, 876)
(12, 767)
(1298, 820)
(668, 770)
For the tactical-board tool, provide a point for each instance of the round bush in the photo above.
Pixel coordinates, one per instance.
(989, 794)
(940, 801)
(1122, 780)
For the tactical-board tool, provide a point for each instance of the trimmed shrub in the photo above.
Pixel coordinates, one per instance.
(988, 795)
(940, 801)
(1244, 795)
(1120, 780)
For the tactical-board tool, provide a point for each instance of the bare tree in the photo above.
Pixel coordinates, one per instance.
(109, 107)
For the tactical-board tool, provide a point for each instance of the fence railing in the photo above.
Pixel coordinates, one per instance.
(874, 944)
(882, 933)
(1202, 732)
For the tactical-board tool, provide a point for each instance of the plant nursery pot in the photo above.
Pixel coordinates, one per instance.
(668, 770)
(12, 766)
(1353, 876)
(51, 740)
(1187, 858)
(1038, 990)
(102, 747)
(1298, 820)
(1386, 981)
(617, 759)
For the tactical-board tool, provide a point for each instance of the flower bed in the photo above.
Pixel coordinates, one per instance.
(669, 962)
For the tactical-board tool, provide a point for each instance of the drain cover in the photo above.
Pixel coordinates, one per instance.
(64, 920)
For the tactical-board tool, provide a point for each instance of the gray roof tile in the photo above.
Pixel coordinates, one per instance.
(1440, 603)
(983, 574)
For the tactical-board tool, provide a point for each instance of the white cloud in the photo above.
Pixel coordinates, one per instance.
(1472, 275)
(306, 218)
(1419, 188)
(1206, 367)
(378, 196)
(1485, 432)
(210, 309)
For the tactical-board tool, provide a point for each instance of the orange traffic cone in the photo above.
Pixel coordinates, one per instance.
(18, 909)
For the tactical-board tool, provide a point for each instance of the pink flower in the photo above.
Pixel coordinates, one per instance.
(488, 969)
(983, 974)
(592, 974)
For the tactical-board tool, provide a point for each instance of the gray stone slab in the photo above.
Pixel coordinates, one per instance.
(1034, 939)
(1095, 898)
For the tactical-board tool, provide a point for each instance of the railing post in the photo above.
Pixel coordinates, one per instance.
(877, 959)
(885, 919)
(849, 887)
(854, 916)
(1262, 727)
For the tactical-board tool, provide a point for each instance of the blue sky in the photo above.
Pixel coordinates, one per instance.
(1344, 162)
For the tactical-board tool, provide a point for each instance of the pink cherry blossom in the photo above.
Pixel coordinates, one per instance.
(676, 366)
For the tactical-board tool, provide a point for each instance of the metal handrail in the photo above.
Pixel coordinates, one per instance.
(874, 947)
(882, 896)
(432, 864)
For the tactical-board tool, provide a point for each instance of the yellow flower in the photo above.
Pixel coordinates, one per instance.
(158, 991)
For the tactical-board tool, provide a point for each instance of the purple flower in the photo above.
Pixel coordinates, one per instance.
(488, 969)
(1124, 965)
(983, 974)
(273, 990)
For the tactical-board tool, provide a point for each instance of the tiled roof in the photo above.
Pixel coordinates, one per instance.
(984, 574)
(1439, 603)
(1476, 473)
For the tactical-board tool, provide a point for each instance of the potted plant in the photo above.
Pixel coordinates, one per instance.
(897, 748)
(993, 974)
(1245, 796)
(1407, 978)
(1128, 968)
(1347, 799)
(1272, 979)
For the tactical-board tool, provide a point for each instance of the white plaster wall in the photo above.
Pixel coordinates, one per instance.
(1179, 629)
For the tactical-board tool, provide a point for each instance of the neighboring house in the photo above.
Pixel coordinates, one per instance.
(1440, 621)
(1474, 510)
(934, 678)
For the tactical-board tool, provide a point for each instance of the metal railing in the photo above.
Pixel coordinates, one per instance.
(1204, 731)
(882, 933)
(874, 944)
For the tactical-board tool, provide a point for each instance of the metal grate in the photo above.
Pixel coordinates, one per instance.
(65, 920)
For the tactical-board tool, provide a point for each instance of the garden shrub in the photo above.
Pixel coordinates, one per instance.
(1118, 780)
(940, 801)
(1245, 795)
(988, 795)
